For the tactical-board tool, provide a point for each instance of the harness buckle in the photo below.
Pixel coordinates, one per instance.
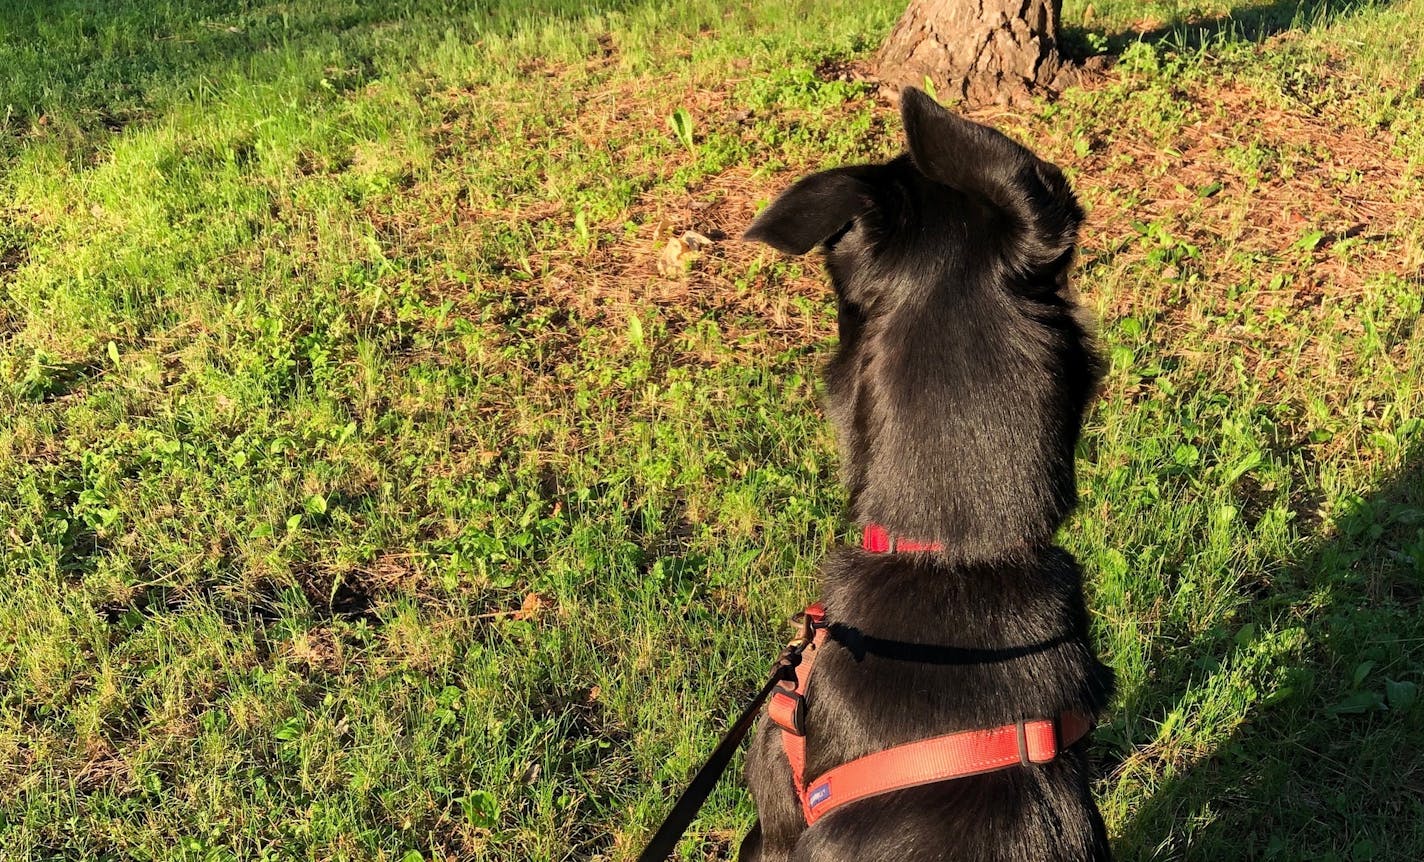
(787, 705)
(787, 710)
(809, 620)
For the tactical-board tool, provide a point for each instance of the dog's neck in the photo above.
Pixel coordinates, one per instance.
(984, 470)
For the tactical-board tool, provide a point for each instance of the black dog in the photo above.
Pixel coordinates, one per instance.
(957, 394)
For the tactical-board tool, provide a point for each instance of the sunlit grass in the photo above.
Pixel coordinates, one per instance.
(365, 491)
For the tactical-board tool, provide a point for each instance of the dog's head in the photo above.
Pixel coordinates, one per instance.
(966, 198)
(962, 374)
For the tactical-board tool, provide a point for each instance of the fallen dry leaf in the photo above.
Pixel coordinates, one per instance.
(680, 252)
(530, 607)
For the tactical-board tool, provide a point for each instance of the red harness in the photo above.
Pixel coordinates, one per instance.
(939, 758)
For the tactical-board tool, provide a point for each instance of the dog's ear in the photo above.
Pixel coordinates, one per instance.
(813, 210)
(985, 163)
(957, 152)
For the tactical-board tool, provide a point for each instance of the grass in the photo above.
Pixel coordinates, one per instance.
(367, 493)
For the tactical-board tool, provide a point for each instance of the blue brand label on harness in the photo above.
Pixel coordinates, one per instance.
(820, 793)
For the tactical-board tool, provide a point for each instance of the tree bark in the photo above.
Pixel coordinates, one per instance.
(977, 51)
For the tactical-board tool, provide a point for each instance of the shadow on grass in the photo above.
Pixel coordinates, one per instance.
(1328, 763)
(1256, 23)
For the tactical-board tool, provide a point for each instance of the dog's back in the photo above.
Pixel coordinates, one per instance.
(957, 391)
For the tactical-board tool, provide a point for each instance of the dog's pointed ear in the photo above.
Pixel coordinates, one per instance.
(811, 211)
(986, 163)
(957, 152)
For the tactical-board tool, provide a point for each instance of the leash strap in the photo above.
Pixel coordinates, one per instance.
(664, 841)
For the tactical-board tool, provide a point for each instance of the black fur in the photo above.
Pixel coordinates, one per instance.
(957, 393)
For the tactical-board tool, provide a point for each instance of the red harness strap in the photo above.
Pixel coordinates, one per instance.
(940, 758)
(787, 706)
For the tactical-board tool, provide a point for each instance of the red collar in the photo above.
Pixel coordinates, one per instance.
(878, 540)
(939, 758)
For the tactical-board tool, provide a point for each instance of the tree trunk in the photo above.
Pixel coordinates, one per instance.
(978, 51)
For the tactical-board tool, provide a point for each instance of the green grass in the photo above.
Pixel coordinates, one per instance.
(365, 492)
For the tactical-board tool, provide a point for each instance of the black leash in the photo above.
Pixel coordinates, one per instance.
(692, 799)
